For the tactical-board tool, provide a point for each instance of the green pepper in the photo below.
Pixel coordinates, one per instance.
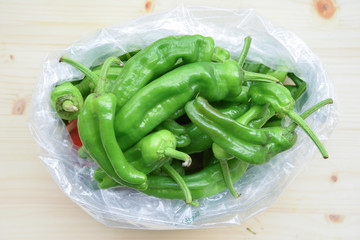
(162, 97)
(178, 113)
(96, 131)
(200, 141)
(243, 97)
(220, 55)
(154, 150)
(282, 102)
(104, 181)
(255, 146)
(209, 180)
(204, 183)
(67, 101)
(255, 112)
(267, 115)
(179, 131)
(157, 59)
(85, 86)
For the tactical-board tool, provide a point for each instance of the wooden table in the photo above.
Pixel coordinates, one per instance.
(322, 203)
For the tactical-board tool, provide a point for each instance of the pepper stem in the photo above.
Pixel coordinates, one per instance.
(103, 73)
(179, 180)
(227, 178)
(244, 51)
(69, 106)
(259, 77)
(310, 111)
(299, 120)
(173, 153)
(88, 73)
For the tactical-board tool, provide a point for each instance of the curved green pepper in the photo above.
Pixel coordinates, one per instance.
(282, 102)
(158, 58)
(255, 146)
(96, 131)
(204, 183)
(161, 98)
(200, 141)
(255, 112)
(154, 150)
(67, 101)
(179, 131)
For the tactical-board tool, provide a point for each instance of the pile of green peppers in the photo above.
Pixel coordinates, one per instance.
(181, 118)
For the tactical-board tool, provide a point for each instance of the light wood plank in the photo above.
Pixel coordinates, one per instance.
(321, 203)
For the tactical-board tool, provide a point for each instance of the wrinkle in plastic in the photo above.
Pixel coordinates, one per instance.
(259, 187)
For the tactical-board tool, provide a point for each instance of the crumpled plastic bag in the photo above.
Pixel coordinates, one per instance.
(259, 187)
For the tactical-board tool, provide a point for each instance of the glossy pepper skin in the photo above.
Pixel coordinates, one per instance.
(222, 156)
(96, 131)
(157, 59)
(280, 99)
(67, 100)
(200, 141)
(254, 146)
(70, 94)
(204, 183)
(255, 112)
(154, 150)
(89, 131)
(86, 86)
(179, 131)
(161, 98)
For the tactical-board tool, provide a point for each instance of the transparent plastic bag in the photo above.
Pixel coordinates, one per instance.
(259, 187)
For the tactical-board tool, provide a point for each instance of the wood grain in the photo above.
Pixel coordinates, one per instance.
(323, 201)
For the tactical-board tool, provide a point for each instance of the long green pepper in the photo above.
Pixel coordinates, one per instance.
(157, 59)
(282, 102)
(96, 131)
(255, 146)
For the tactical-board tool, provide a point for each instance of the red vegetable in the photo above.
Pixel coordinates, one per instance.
(74, 134)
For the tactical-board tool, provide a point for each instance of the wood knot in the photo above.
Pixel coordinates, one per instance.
(19, 107)
(11, 57)
(325, 8)
(336, 218)
(334, 178)
(149, 6)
